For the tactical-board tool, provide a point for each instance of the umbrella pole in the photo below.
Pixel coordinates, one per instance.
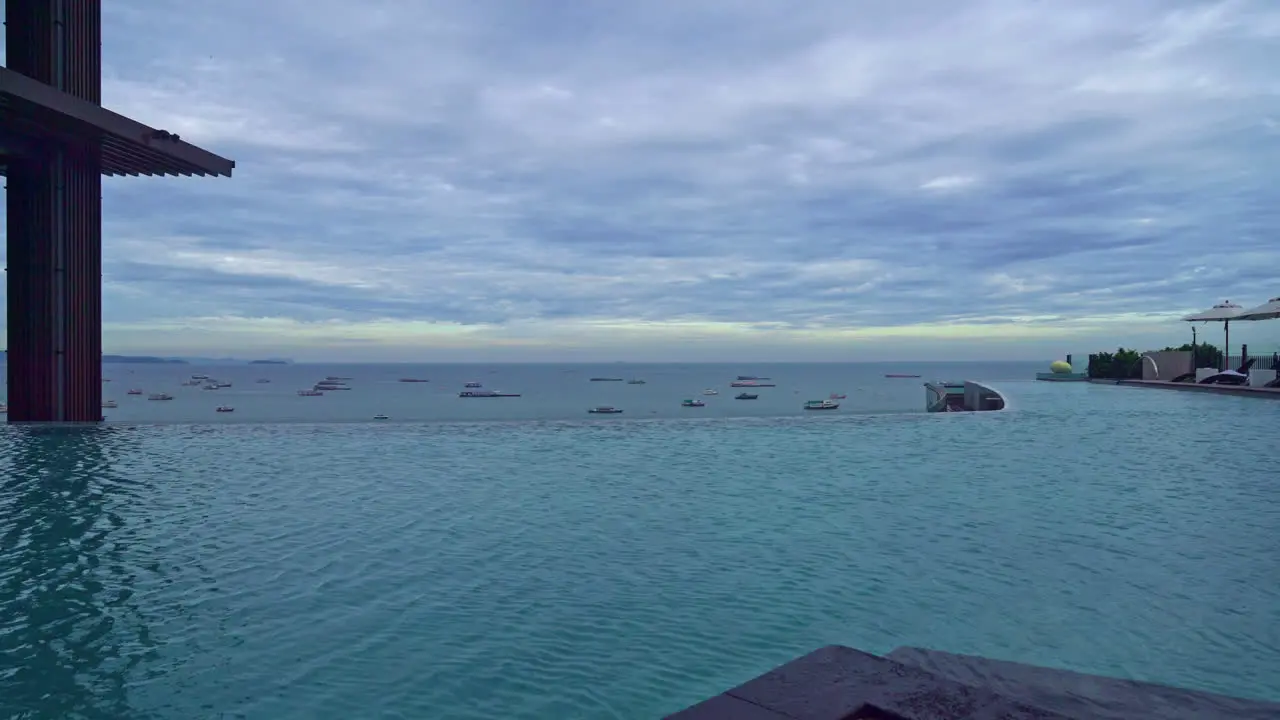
(1226, 352)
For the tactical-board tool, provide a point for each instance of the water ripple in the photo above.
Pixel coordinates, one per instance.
(589, 570)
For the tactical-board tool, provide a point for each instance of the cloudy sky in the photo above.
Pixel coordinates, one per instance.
(693, 179)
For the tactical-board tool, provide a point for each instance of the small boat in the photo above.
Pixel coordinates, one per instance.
(637, 381)
(190, 383)
(106, 379)
(199, 377)
(3, 408)
(335, 378)
(134, 391)
(159, 396)
(225, 408)
(110, 404)
(751, 377)
(310, 393)
(746, 396)
(413, 380)
(750, 384)
(837, 396)
(380, 416)
(605, 410)
(900, 375)
(330, 386)
(485, 394)
(606, 379)
(693, 403)
(223, 384)
(473, 384)
(821, 405)
(709, 391)
(261, 381)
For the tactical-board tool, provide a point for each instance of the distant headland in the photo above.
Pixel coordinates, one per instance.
(268, 362)
(142, 359)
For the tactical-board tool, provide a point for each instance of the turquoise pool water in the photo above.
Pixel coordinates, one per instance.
(586, 569)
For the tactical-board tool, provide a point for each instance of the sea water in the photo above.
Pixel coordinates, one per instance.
(577, 566)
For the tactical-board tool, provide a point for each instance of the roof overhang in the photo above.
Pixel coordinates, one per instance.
(34, 114)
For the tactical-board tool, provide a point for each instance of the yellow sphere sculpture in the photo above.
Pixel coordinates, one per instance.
(1060, 367)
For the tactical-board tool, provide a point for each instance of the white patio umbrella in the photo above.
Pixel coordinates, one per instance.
(1223, 312)
(1269, 310)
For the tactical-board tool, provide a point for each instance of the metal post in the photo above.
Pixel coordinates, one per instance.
(1195, 351)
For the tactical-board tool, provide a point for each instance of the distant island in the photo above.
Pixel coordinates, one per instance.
(268, 362)
(142, 359)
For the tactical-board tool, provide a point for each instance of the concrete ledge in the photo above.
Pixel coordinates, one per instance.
(1086, 697)
(1241, 390)
(841, 683)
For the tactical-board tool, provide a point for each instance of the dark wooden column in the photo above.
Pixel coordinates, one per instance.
(54, 202)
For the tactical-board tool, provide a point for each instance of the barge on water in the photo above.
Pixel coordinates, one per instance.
(967, 396)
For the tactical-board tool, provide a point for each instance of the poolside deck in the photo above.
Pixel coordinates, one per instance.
(1240, 390)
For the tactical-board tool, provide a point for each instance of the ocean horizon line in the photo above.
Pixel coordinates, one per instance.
(615, 362)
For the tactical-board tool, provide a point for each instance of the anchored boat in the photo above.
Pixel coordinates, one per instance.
(822, 405)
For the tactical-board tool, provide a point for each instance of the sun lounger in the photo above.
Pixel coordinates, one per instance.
(1239, 376)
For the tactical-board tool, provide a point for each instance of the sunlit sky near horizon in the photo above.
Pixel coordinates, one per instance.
(694, 179)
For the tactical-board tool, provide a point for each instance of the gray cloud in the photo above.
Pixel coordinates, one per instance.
(923, 163)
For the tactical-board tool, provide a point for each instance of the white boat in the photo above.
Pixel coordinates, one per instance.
(159, 396)
(709, 391)
(822, 405)
(110, 404)
(380, 416)
(605, 410)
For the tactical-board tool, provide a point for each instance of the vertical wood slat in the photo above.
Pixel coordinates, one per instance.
(30, 316)
(55, 226)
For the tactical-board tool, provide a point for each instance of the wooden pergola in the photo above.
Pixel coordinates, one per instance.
(56, 143)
